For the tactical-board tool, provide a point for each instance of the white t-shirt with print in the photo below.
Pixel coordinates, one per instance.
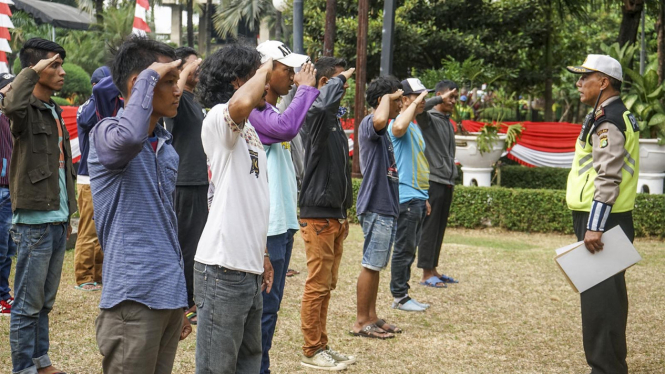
(235, 234)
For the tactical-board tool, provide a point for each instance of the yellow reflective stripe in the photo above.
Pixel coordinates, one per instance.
(585, 159)
(585, 168)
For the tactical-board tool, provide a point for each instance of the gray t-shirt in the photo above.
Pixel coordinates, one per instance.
(379, 191)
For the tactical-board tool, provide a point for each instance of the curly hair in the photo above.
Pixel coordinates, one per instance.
(220, 69)
(379, 87)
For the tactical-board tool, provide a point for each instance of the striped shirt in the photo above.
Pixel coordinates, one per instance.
(6, 147)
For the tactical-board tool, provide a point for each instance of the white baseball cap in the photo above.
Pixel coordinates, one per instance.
(599, 63)
(413, 86)
(278, 51)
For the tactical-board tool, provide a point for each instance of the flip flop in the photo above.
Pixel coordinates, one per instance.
(433, 282)
(385, 326)
(372, 331)
(96, 287)
(292, 272)
(446, 279)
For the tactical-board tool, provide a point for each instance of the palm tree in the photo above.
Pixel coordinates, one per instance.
(251, 12)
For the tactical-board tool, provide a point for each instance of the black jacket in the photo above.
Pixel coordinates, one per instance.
(326, 187)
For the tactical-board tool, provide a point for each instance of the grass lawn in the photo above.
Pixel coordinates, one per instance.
(512, 312)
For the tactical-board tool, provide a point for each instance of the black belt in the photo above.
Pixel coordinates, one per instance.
(4, 185)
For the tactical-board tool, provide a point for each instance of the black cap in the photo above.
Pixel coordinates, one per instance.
(6, 79)
(414, 86)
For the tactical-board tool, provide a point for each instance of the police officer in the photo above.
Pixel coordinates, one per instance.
(601, 193)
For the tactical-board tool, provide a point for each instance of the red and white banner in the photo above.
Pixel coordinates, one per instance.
(549, 144)
(140, 24)
(5, 36)
(69, 117)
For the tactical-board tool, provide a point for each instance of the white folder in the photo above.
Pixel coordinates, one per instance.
(584, 270)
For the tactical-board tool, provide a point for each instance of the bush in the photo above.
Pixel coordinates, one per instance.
(518, 176)
(61, 101)
(77, 84)
(532, 210)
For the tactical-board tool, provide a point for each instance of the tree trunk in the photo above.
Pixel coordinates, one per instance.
(361, 79)
(211, 10)
(548, 65)
(660, 27)
(190, 23)
(630, 21)
(99, 10)
(329, 36)
(278, 26)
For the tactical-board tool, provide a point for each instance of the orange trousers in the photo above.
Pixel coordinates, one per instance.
(324, 240)
(88, 255)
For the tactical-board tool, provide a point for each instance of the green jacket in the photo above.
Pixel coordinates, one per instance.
(33, 174)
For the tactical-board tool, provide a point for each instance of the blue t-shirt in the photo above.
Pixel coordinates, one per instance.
(379, 190)
(412, 164)
(36, 217)
(283, 189)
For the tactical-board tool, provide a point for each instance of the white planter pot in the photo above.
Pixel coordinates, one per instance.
(652, 167)
(477, 168)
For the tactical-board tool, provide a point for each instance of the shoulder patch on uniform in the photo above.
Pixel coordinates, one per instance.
(601, 132)
(633, 122)
(604, 141)
(599, 112)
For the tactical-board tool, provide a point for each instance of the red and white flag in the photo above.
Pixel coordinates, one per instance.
(5, 37)
(140, 25)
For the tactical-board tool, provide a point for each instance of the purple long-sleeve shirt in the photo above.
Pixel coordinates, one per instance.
(273, 127)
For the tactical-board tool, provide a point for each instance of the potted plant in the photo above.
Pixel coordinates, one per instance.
(479, 151)
(644, 99)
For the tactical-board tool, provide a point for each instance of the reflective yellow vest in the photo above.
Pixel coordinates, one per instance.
(581, 189)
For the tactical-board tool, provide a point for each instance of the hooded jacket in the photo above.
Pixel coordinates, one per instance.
(326, 187)
(439, 137)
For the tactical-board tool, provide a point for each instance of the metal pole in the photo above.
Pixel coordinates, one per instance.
(644, 45)
(53, 33)
(388, 34)
(361, 79)
(298, 27)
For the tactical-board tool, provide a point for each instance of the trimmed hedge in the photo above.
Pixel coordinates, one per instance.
(531, 210)
(517, 176)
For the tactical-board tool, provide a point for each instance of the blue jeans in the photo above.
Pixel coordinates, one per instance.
(229, 305)
(409, 225)
(41, 251)
(379, 232)
(7, 245)
(279, 248)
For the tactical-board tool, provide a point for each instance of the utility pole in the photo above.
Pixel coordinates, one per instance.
(388, 34)
(298, 27)
(644, 44)
(361, 79)
(329, 35)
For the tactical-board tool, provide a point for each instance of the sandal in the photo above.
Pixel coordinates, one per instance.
(372, 331)
(89, 286)
(446, 279)
(292, 272)
(434, 282)
(385, 326)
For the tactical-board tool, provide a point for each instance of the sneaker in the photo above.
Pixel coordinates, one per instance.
(407, 304)
(322, 361)
(340, 357)
(6, 307)
(423, 305)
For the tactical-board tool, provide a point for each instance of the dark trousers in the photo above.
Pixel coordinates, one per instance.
(279, 248)
(191, 206)
(409, 229)
(605, 308)
(440, 199)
